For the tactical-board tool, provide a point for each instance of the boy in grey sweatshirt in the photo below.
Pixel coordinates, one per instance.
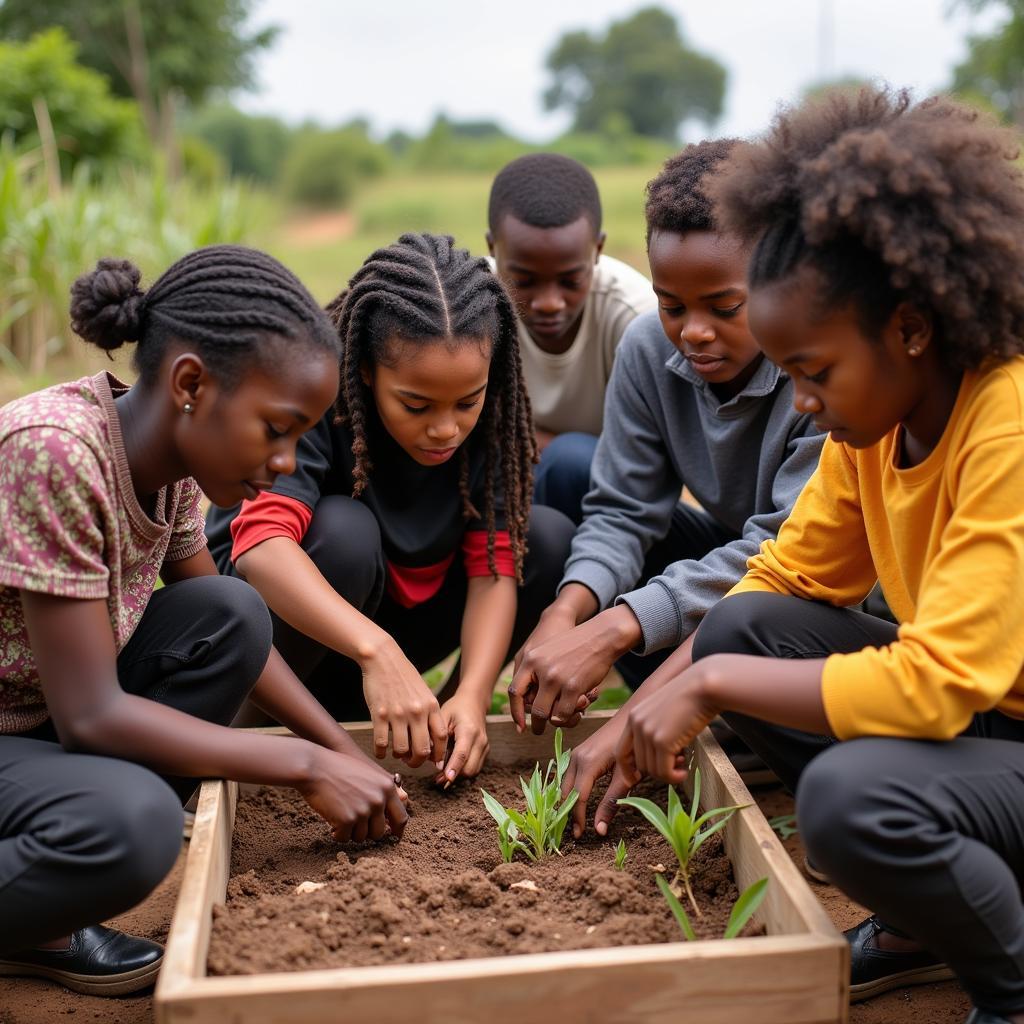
(691, 402)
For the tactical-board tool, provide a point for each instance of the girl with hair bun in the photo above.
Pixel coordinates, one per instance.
(886, 278)
(115, 696)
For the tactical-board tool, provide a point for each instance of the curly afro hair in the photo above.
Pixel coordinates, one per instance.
(676, 200)
(889, 201)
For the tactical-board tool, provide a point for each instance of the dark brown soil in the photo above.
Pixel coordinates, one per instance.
(442, 893)
(23, 1001)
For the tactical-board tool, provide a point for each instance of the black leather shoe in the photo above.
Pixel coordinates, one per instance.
(977, 1016)
(874, 971)
(99, 962)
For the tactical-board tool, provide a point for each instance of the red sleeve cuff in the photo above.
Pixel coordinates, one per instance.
(270, 515)
(474, 553)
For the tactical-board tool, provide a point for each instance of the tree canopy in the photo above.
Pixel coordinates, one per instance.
(994, 68)
(642, 70)
(151, 50)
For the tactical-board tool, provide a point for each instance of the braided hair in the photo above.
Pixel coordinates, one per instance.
(424, 289)
(228, 301)
(889, 201)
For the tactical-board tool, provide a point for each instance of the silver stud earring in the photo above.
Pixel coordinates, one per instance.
(914, 351)
(187, 407)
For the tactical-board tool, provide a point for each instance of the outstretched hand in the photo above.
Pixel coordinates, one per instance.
(661, 727)
(402, 705)
(466, 724)
(357, 798)
(591, 760)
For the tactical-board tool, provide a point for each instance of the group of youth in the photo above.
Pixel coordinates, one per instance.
(829, 361)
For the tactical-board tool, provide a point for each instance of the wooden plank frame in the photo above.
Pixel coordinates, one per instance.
(798, 973)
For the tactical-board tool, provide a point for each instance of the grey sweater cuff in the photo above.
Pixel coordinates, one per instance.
(658, 616)
(596, 577)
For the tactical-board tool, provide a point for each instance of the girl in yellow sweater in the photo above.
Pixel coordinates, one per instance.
(887, 278)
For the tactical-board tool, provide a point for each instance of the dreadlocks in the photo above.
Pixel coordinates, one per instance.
(424, 289)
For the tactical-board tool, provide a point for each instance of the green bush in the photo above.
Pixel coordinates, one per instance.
(252, 147)
(47, 240)
(88, 122)
(323, 168)
(202, 164)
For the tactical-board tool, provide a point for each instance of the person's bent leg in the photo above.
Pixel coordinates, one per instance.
(82, 838)
(778, 626)
(562, 477)
(930, 836)
(200, 647)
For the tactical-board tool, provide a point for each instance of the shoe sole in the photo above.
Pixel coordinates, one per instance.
(88, 984)
(918, 976)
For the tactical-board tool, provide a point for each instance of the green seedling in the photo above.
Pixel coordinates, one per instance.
(685, 833)
(539, 829)
(620, 855)
(785, 825)
(742, 910)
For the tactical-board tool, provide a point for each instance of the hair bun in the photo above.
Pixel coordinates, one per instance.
(107, 304)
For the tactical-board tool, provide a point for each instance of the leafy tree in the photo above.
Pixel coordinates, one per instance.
(323, 168)
(154, 51)
(251, 146)
(641, 69)
(46, 93)
(994, 69)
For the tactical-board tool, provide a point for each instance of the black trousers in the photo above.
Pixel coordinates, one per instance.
(344, 542)
(929, 835)
(692, 534)
(85, 837)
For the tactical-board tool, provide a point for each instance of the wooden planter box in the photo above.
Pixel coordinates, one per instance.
(796, 974)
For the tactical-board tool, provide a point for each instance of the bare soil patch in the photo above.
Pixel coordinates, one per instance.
(297, 902)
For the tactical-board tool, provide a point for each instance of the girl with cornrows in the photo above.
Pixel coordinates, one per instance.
(115, 696)
(404, 530)
(887, 279)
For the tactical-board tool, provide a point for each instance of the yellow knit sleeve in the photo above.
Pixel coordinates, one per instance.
(821, 552)
(963, 650)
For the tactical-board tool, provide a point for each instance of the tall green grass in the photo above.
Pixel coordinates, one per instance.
(49, 235)
(50, 232)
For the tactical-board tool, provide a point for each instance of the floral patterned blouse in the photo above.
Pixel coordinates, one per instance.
(72, 525)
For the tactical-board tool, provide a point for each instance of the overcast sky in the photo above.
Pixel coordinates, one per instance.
(400, 62)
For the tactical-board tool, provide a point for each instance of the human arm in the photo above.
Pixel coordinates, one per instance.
(635, 489)
(659, 728)
(400, 702)
(771, 469)
(73, 645)
(487, 623)
(278, 691)
(595, 756)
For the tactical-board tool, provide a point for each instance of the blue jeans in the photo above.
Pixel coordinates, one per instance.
(563, 476)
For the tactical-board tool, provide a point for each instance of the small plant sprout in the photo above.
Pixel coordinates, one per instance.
(685, 833)
(785, 825)
(539, 829)
(742, 910)
(620, 855)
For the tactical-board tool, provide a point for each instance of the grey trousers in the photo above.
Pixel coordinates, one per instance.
(929, 835)
(85, 837)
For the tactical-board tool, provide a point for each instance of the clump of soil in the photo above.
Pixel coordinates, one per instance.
(442, 893)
